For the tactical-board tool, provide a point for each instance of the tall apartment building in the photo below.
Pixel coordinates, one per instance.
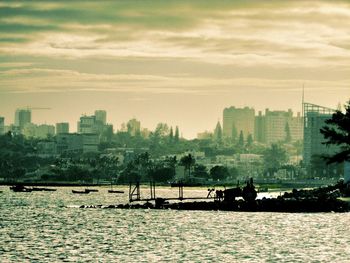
(101, 116)
(276, 126)
(2, 125)
(314, 119)
(38, 131)
(69, 143)
(279, 123)
(87, 125)
(91, 130)
(259, 128)
(62, 127)
(133, 127)
(236, 120)
(22, 117)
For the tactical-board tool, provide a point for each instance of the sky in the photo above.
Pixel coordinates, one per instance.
(179, 62)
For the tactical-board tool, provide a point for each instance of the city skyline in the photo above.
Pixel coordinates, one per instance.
(138, 59)
(75, 127)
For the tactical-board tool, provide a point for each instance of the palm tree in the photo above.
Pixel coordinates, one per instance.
(274, 158)
(187, 162)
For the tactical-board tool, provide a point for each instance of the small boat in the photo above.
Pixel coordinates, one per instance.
(115, 192)
(91, 190)
(80, 192)
(20, 188)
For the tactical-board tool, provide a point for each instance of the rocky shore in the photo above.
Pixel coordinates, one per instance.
(323, 199)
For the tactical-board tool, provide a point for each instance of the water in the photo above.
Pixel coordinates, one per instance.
(49, 227)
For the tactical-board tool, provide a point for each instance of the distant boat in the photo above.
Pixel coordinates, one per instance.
(20, 188)
(80, 192)
(112, 191)
(115, 192)
(91, 190)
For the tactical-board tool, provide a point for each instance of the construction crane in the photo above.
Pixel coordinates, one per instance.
(37, 108)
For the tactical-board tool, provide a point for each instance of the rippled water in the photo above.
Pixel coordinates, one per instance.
(49, 227)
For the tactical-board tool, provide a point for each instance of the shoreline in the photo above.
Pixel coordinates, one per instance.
(276, 205)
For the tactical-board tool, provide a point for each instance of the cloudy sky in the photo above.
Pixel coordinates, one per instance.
(179, 62)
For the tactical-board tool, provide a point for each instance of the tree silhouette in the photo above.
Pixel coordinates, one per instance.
(200, 171)
(219, 172)
(274, 158)
(288, 134)
(171, 135)
(241, 139)
(176, 137)
(218, 132)
(249, 140)
(337, 132)
(187, 162)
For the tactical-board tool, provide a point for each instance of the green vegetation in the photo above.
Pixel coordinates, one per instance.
(274, 158)
(337, 132)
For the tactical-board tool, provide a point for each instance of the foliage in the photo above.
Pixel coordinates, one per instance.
(241, 139)
(319, 168)
(288, 138)
(249, 140)
(200, 171)
(218, 132)
(187, 162)
(162, 174)
(337, 132)
(274, 158)
(177, 134)
(219, 173)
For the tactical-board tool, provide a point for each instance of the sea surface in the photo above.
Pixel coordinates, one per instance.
(50, 227)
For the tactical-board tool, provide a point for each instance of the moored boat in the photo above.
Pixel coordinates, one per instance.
(20, 188)
(91, 190)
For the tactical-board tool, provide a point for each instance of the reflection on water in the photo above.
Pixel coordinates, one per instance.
(48, 226)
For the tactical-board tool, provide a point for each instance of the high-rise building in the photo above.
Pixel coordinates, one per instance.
(42, 131)
(22, 117)
(87, 125)
(296, 128)
(101, 116)
(133, 127)
(69, 143)
(62, 127)
(236, 120)
(90, 142)
(282, 126)
(259, 128)
(278, 126)
(314, 119)
(2, 125)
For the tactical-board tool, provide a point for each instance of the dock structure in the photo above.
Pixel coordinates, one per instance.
(135, 193)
